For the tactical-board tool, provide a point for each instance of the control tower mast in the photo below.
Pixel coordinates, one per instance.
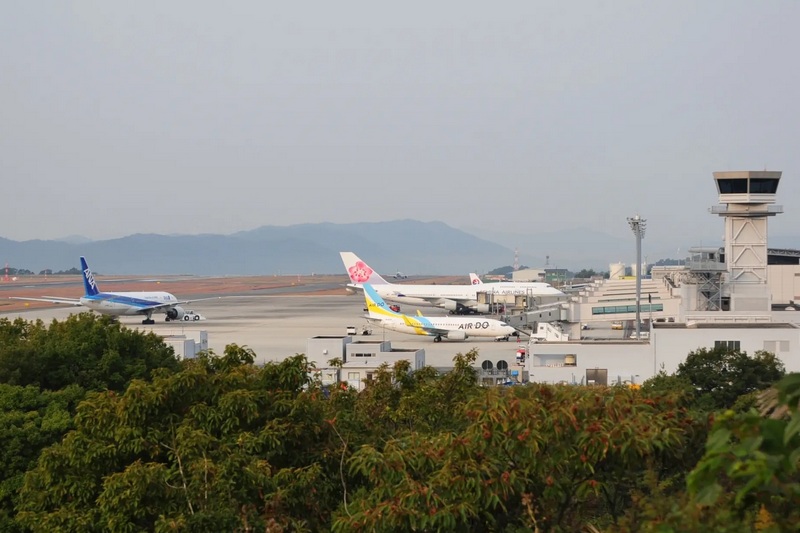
(748, 198)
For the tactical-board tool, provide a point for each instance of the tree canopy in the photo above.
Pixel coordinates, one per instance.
(104, 430)
(91, 351)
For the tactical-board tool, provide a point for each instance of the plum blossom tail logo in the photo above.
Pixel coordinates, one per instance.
(360, 272)
(476, 281)
(90, 279)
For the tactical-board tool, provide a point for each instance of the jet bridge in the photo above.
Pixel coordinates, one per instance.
(528, 319)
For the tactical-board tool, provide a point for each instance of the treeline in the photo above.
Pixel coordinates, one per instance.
(46, 272)
(105, 430)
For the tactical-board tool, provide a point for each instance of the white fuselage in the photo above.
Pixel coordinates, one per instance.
(465, 294)
(470, 327)
(126, 303)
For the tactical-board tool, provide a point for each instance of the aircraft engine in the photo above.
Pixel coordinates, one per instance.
(451, 305)
(482, 308)
(175, 313)
(456, 308)
(458, 335)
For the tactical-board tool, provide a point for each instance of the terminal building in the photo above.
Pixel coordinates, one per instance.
(740, 295)
(358, 360)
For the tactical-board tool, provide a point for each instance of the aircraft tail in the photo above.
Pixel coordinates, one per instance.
(474, 279)
(359, 271)
(376, 306)
(89, 284)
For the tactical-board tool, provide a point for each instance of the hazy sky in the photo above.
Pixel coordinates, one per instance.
(194, 117)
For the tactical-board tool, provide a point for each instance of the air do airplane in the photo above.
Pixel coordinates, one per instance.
(123, 303)
(446, 327)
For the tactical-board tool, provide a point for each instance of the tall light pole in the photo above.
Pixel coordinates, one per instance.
(638, 225)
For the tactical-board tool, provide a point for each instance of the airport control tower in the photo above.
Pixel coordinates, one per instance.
(748, 198)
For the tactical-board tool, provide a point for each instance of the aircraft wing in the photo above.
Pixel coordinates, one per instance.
(429, 329)
(50, 299)
(167, 305)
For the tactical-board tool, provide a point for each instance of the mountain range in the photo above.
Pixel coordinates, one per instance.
(410, 246)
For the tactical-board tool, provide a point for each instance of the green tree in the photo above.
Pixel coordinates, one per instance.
(748, 479)
(537, 457)
(720, 376)
(87, 350)
(752, 461)
(30, 420)
(219, 446)
(399, 400)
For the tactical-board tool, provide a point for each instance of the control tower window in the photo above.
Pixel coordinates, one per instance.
(763, 186)
(733, 186)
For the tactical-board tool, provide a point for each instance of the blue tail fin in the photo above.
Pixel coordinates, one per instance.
(88, 279)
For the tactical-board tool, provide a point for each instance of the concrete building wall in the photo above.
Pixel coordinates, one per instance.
(320, 350)
(360, 359)
(186, 348)
(622, 293)
(784, 283)
(528, 274)
(672, 345)
(633, 361)
(569, 362)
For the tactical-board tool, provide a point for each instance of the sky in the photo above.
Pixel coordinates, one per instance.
(203, 117)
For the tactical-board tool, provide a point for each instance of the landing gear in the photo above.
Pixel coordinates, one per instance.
(437, 338)
(148, 321)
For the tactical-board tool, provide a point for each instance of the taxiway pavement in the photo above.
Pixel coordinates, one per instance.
(276, 326)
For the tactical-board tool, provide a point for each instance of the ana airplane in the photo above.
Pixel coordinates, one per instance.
(458, 299)
(445, 327)
(123, 303)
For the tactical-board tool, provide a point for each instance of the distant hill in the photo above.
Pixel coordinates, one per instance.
(574, 249)
(75, 239)
(410, 246)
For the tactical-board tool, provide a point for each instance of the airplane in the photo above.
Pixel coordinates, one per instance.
(458, 299)
(123, 303)
(445, 327)
(400, 275)
(475, 279)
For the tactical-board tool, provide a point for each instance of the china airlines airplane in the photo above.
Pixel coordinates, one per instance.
(458, 299)
(444, 327)
(123, 303)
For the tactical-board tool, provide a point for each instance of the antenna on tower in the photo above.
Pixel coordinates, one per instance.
(516, 259)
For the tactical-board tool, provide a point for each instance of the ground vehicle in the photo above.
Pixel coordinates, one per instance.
(616, 325)
(187, 316)
(191, 315)
(365, 330)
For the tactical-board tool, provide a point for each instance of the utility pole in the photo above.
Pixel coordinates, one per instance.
(638, 226)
